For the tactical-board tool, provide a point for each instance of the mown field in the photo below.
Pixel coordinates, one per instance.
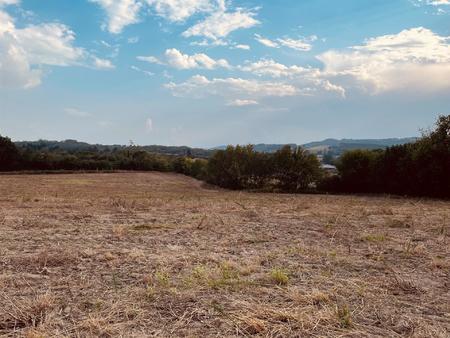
(148, 254)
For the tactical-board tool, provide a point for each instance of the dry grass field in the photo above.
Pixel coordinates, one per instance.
(149, 254)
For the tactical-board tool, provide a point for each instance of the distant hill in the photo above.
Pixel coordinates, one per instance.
(262, 147)
(387, 142)
(337, 147)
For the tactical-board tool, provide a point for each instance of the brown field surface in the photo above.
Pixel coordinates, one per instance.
(149, 254)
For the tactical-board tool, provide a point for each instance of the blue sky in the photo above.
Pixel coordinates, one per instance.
(211, 72)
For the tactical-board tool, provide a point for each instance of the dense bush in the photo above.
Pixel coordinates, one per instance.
(9, 155)
(238, 168)
(241, 167)
(421, 168)
(358, 169)
(191, 167)
(294, 169)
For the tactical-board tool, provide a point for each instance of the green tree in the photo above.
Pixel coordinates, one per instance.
(295, 169)
(239, 167)
(9, 155)
(431, 156)
(358, 170)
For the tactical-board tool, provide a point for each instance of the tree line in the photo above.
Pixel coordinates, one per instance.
(13, 158)
(421, 168)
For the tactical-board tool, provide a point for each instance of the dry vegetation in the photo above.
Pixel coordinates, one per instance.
(138, 255)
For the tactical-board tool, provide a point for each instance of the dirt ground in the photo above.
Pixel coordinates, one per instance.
(150, 254)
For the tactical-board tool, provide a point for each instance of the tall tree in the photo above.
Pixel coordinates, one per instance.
(9, 155)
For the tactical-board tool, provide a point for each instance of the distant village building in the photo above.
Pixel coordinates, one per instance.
(329, 169)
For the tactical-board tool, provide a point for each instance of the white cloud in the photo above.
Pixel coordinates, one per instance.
(440, 6)
(49, 43)
(266, 42)
(183, 61)
(103, 63)
(76, 112)
(432, 2)
(271, 68)
(242, 103)
(308, 81)
(149, 59)
(133, 40)
(25, 51)
(438, 2)
(9, 2)
(178, 60)
(146, 72)
(209, 43)
(241, 46)
(15, 69)
(180, 10)
(200, 86)
(221, 23)
(121, 13)
(415, 58)
(149, 125)
(302, 44)
(299, 44)
(112, 49)
(295, 81)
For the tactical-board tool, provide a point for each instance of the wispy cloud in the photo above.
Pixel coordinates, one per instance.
(178, 60)
(74, 112)
(242, 103)
(199, 86)
(146, 72)
(180, 10)
(223, 22)
(120, 13)
(302, 44)
(103, 63)
(9, 2)
(133, 40)
(149, 125)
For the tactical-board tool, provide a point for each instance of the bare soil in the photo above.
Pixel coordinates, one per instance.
(150, 254)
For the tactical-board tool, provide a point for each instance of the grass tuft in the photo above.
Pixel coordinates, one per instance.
(279, 276)
(344, 315)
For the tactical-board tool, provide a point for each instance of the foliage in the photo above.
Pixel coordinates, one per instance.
(73, 146)
(357, 169)
(241, 167)
(295, 169)
(421, 168)
(191, 167)
(9, 155)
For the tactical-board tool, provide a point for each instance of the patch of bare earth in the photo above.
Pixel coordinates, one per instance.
(139, 255)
